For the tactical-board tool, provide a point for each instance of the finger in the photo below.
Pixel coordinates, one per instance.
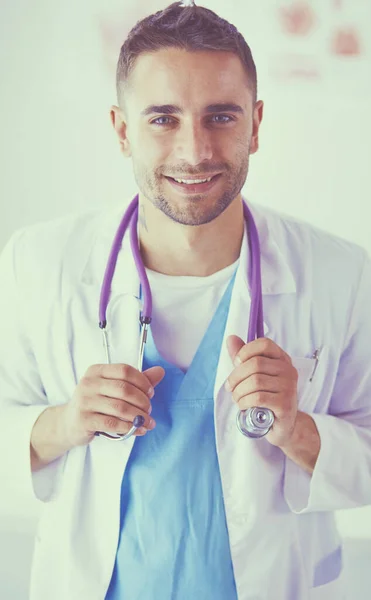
(258, 383)
(114, 393)
(262, 400)
(121, 372)
(234, 345)
(100, 421)
(123, 429)
(154, 375)
(254, 366)
(261, 347)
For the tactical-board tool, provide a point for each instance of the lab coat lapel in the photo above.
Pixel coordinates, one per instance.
(240, 461)
(108, 459)
(124, 304)
(277, 278)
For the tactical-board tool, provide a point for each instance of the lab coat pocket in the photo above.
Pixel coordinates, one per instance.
(335, 589)
(306, 370)
(329, 568)
(313, 376)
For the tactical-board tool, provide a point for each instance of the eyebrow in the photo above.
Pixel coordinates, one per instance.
(171, 109)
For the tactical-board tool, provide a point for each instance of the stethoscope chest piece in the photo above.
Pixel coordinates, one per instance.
(256, 422)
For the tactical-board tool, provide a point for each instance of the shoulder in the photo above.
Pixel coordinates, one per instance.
(307, 246)
(55, 235)
(60, 244)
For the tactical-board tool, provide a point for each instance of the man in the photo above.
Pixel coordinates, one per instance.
(188, 506)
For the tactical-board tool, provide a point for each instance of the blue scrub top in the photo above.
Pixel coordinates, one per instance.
(173, 542)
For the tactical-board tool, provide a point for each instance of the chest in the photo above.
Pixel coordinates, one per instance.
(68, 340)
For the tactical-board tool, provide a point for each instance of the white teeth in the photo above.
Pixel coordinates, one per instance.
(190, 181)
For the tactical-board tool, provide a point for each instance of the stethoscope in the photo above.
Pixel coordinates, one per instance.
(254, 422)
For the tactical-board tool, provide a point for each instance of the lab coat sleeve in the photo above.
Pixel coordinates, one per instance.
(22, 397)
(342, 475)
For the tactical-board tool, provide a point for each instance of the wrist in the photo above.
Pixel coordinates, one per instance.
(49, 438)
(295, 433)
(305, 443)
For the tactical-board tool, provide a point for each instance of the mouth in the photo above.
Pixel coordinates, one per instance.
(194, 186)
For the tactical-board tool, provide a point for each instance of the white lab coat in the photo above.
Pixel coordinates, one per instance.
(283, 538)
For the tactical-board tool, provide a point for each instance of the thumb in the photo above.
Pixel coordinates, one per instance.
(154, 375)
(234, 345)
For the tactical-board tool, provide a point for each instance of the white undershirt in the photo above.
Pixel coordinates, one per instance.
(183, 307)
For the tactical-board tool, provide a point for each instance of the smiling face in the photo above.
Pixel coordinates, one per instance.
(188, 116)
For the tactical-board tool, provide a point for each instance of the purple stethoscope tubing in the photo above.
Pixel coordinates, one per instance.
(254, 422)
(129, 219)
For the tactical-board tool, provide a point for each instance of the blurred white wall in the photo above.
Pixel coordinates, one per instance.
(57, 72)
(59, 154)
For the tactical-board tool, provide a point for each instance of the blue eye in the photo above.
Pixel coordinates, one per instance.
(155, 122)
(218, 119)
(229, 119)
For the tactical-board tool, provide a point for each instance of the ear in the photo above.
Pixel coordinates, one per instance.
(119, 125)
(257, 119)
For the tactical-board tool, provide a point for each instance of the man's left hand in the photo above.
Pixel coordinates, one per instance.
(264, 376)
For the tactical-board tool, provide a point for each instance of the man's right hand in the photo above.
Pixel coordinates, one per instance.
(108, 398)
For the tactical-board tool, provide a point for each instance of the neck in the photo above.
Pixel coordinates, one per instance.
(174, 249)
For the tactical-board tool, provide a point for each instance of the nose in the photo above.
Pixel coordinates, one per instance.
(193, 144)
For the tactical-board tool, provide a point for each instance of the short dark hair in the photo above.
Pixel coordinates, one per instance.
(192, 28)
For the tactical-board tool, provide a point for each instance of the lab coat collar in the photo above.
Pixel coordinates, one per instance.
(277, 277)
